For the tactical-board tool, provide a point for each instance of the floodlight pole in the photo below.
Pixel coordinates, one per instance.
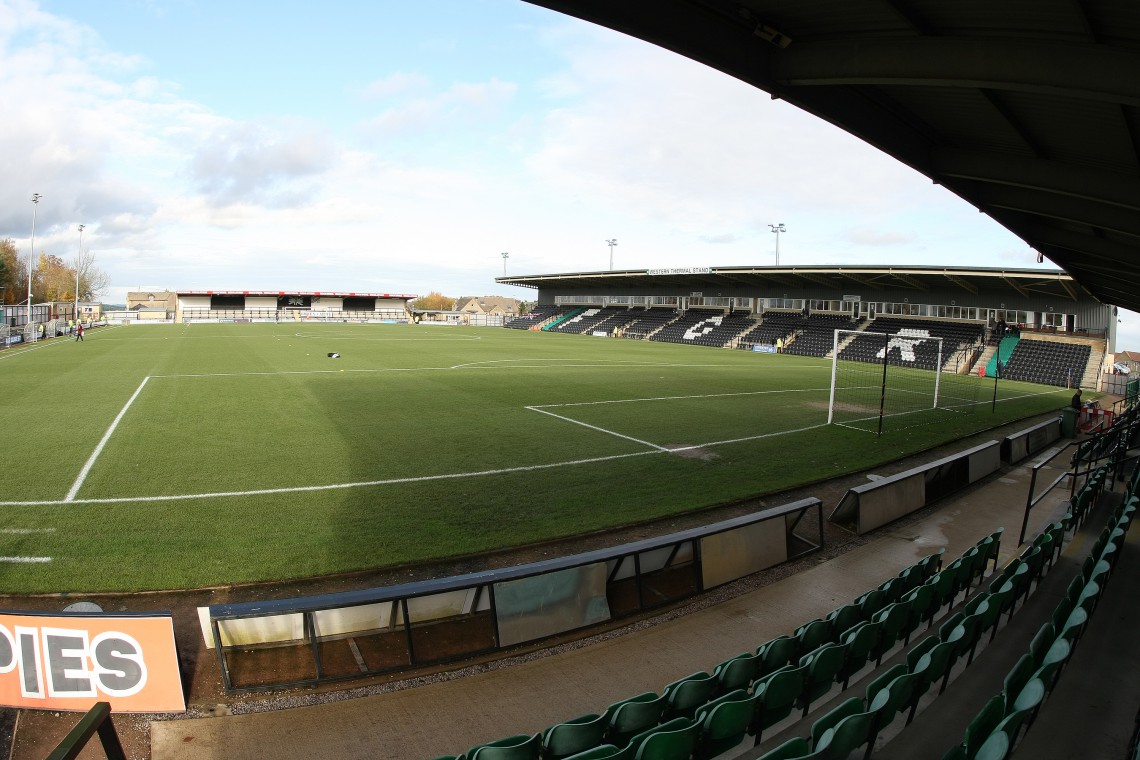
(32, 258)
(778, 228)
(611, 243)
(78, 261)
(505, 257)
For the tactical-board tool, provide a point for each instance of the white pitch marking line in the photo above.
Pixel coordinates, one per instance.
(538, 407)
(25, 559)
(392, 481)
(329, 487)
(25, 531)
(595, 427)
(106, 437)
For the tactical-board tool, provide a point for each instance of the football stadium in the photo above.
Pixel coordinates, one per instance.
(729, 512)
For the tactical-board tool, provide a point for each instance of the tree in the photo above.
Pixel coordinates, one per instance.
(53, 280)
(92, 280)
(434, 301)
(13, 273)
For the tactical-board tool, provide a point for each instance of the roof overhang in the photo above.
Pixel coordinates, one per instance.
(1029, 112)
(1052, 283)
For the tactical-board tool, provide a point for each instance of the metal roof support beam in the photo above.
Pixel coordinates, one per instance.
(1052, 206)
(910, 282)
(867, 282)
(1038, 174)
(1013, 284)
(963, 284)
(816, 279)
(1068, 286)
(1009, 64)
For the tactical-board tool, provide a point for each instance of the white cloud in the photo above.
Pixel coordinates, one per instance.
(251, 163)
(461, 103)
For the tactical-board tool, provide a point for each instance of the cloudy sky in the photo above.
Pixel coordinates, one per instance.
(402, 147)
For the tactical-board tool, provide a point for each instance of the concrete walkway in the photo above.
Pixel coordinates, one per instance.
(450, 716)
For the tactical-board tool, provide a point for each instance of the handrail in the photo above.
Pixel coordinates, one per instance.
(1030, 501)
(97, 720)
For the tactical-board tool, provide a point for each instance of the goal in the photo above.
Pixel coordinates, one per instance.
(878, 377)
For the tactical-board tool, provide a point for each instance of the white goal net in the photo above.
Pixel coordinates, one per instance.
(885, 380)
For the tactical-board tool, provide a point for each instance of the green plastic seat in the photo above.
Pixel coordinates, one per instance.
(831, 718)
(1017, 677)
(1061, 613)
(1041, 642)
(684, 696)
(671, 741)
(775, 697)
(882, 681)
(777, 653)
(603, 752)
(723, 723)
(871, 602)
(898, 695)
(894, 619)
(999, 601)
(822, 668)
(519, 747)
(932, 563)
(972, 625)
(860, 642)
(934, 665)
(736, 673)
(993, 547)
(983, 724)
(793, 749)
(921, 602)
(1074, 625)
(995, 747)
(631, 716)
(847, 736)
(1053, 661)
(573, 736)
(918, 650)
(812, 636)
(946, 585)
(845, 618)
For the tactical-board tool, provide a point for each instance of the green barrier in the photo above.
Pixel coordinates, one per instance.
(1005, 350)
(557, 322)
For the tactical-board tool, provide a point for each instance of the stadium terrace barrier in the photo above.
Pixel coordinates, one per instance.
(872, 505)
(354, 634)
(1028, 442)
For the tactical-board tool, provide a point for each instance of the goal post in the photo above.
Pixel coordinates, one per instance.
(877, 376)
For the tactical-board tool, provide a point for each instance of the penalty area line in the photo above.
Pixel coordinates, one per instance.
(103, 442)
(595, 427)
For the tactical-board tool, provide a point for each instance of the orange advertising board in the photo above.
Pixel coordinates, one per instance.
(70, 662)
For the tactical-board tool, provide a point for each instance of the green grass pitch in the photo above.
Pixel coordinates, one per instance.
(182, 456)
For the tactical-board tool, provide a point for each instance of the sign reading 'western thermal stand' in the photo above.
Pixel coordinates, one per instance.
(60, 662)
